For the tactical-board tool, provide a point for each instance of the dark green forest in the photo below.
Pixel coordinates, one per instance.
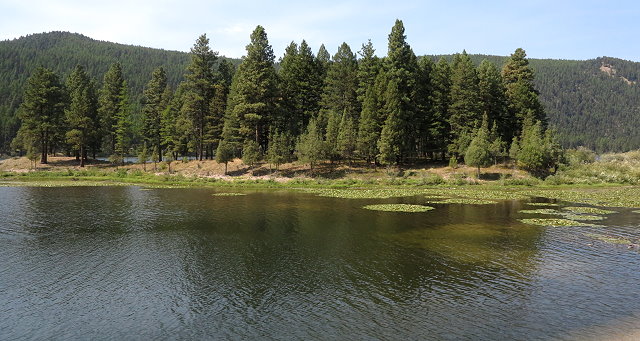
(387, 110)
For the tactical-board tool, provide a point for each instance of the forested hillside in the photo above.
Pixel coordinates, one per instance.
(594, 103)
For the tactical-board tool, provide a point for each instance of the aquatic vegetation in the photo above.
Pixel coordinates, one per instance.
(466, 201)
(588, 217)
(553, 222)
(228, 194)
(541, 211)
(636, 211)
(608, 239)
(591, 210)
(399, 208)
(364, 193)
(542, 204)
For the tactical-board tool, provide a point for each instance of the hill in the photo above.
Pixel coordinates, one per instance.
(594, 103)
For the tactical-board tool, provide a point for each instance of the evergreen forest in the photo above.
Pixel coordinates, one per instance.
(66, 93)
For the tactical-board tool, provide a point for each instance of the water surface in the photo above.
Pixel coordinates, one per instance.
(129, 263)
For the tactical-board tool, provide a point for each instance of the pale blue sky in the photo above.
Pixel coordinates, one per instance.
(545, 29)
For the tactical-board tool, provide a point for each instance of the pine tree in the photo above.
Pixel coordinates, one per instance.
(41, 112)
(492, 98)
(200, 79)
(369, 129)
(331, 135)
(341, 84)
(122, 126)
(522, 97)
(402, 68)
(81, 114)
(301, 86)
(309, 148)
(464, 112)
(224, 153)
(143, 156)
(323, 59)
(109, 104)
(441, 102)
(347, 137)
(253, 95)
(279, 151)
(478, 154)
(368, 67)
(393, 131)
(154, 105)
(250, 153)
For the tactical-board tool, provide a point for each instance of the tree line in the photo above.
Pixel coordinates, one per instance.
(311, 107)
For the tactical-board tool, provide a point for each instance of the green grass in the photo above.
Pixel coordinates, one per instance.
(399, 208)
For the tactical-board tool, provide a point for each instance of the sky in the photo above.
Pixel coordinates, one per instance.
(545, 29)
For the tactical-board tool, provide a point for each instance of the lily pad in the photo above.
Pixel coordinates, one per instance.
(542, 204)
(398, 208)
(591, 210)
(608, 239)
(552, 222)
(466, 201)
(541, 211)
(589, 217)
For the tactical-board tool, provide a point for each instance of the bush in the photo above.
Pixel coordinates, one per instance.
(580, 156)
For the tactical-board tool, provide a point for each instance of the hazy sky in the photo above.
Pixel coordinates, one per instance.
(545, 29)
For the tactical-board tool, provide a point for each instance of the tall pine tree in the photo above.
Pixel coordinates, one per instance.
(253, 95)
(465, 111)
(109, 104)
(522, 97)
(200, 79)
(81, 114)
(154, 106)
(41, 112)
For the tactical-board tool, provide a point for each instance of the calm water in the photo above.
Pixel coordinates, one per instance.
(126, 263)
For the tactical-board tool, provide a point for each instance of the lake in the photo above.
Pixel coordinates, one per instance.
(125, 263)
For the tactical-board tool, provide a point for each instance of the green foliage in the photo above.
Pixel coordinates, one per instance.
(465, 109)
(81, 115)
(250, 153)
(347, 137)
(109, 105)
(580, 156)
(253, 93)
(369, 129)
(310, 147)
(143, 156)
(41, 112)
(279, 151)
(391, 138)
(522, 97)
(301, 86)
(341, 84)
(479, 152)
(155, 102)
(199, 90)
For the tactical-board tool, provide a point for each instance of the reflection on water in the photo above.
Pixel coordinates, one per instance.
(87, 263)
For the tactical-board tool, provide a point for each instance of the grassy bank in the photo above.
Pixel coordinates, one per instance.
(609, 181)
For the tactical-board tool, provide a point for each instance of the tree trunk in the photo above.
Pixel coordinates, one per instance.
(478, 172)
(225, 168)
(82, 156)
